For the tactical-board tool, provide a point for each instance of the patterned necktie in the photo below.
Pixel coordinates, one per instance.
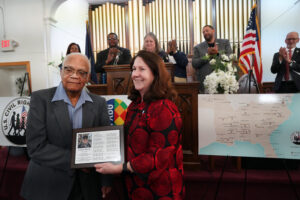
(287, 67)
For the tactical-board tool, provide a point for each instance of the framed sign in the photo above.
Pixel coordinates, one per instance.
(97, 145)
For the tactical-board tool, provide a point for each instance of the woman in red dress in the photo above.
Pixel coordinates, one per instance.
(154, 168)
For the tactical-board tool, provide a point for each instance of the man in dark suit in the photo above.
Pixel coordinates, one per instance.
(53, 114)
(286, 64)
(210, 46)
(114, 55)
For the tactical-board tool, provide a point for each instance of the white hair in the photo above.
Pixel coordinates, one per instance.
(84, 57)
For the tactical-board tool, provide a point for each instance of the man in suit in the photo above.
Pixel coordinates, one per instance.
(53, 114)
(286, 64)
(114, 55)
(210, 46)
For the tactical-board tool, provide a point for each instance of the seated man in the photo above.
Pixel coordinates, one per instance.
(114, 55)
(180, 61)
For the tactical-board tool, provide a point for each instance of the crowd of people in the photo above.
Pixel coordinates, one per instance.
(153, 166)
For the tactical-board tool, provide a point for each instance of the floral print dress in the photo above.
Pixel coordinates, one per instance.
(154, 150)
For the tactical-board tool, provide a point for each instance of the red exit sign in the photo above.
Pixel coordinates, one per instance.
(5, 43)
(8, 45)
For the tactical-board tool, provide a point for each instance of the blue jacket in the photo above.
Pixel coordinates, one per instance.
(181, 63)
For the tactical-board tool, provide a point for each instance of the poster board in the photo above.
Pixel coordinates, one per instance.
(13, 129)
(249, 125)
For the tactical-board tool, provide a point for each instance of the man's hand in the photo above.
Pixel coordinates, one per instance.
(212, 50)
(112, 54)
(282, 54)
(105, 190)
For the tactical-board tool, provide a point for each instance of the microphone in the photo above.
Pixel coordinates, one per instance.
(117, 57)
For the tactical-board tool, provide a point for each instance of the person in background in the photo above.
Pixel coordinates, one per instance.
(153, 125)
(113, 55)
(180, 61)
(53, 114)
(286, 64)
(151, 44)
(72, 48)
(210, 46)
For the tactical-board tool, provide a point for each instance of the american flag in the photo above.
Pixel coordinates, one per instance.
(24, 116)
(250, 55)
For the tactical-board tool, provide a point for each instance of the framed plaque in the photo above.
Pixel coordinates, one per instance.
(97, 145)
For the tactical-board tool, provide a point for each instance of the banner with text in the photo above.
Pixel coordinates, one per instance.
(14, 112)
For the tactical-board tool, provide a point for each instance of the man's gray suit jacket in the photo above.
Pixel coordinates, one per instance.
(202, 66)
(49, 141)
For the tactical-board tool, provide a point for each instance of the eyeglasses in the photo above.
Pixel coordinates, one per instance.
(112, 39)
(69, 71)
(290, 39)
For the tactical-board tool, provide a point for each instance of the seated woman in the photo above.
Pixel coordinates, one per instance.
(153, 125)
(151, 44)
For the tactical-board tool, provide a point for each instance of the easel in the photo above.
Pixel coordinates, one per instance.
(249, 79)
(290, 179)
(26, 77)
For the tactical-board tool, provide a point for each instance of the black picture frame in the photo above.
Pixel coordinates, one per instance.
(91, 131)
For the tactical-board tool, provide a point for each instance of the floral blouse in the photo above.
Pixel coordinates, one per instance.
(154, 150)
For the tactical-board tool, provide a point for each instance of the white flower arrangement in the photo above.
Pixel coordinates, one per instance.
(223, 79)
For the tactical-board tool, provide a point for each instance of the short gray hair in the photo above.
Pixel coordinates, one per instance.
(84, 57)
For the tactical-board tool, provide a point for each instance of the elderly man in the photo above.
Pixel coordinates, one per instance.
(114, 55)
(286, 64)
(210, 46)
(53, 114)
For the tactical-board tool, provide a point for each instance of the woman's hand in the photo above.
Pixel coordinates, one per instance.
(109, 168)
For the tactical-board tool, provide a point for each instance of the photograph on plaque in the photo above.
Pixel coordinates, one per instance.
(97, 145)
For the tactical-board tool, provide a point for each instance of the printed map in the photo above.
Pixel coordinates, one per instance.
(250, 125)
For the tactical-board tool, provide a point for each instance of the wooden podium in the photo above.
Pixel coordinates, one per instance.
(118, 77)
(187, 103)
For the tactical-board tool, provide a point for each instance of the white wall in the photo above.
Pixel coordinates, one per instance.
(277, 19)
(71, 19)
(40, 39)
(24, 24)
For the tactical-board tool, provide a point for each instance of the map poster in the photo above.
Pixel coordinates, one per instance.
(249, 125)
